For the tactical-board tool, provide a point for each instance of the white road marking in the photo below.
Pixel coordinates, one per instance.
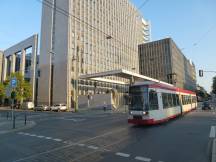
(72, 119)
(27, 134)
(40, 136)
(57, 139)
(122, 154)
(20, 133)
(81, 144)
(93, 147)
(48, 138)
(212, 132)
(66, 146)
(33, 135)
(142, 159)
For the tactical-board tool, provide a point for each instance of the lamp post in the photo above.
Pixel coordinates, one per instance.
(76, 80)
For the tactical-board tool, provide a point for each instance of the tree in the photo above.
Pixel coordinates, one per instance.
(214, 85)
(23, 90)
(2, 92)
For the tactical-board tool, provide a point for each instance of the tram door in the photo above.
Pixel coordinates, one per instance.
(181, 103)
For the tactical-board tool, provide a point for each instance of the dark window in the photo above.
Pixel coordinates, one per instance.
(170, 100)
(153, 100)
(174, 100)
(165, 100)
(177, 100)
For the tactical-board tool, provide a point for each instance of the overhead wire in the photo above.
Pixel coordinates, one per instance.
(196, 43)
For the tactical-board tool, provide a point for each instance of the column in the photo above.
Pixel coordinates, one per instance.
(13, 63)
(34, 66)
(22, 64)
(4, 69)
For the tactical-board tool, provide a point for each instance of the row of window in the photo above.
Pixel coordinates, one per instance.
(169, 100)
(186, 100)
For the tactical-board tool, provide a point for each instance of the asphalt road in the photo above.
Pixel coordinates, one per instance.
(105, 137)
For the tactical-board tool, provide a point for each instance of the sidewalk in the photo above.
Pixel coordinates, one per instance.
(122, 109)
(6, 125)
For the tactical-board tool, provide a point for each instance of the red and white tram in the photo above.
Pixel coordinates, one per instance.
(153, 103)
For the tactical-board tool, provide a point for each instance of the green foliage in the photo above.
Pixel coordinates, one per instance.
(2, 90)
(23, 90)
(214, 85)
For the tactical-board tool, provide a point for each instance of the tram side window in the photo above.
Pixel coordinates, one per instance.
(174, 100)
(165, 100)
(153, 100)
(177, 100)
(184, 100)
(170, 100)
(188, 99)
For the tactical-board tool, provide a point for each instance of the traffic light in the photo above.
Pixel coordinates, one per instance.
(201, 73)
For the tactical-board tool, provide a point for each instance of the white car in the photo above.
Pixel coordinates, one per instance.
(59, 107)
(46, 108)
(29, 105)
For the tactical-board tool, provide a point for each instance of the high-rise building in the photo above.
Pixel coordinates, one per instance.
(85, 37)
(164, 61)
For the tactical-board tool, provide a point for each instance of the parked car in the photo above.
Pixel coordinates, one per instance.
(29, 105)
(46, 108)
(206, 106)
(59, 107)
(38, 108)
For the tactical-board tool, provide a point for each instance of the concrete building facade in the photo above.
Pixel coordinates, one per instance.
(21, 58)
(84, 37)
(1, 64)
(164, 61)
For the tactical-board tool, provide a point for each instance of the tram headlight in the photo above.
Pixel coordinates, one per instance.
(145, 112)
(130, 112)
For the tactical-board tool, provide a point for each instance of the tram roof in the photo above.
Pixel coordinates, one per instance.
(121, 73)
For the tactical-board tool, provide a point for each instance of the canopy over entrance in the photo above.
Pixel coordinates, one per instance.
(131, 76)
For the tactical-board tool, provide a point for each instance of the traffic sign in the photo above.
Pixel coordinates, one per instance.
(13, 83)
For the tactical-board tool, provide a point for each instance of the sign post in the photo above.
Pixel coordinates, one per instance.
(13, 85)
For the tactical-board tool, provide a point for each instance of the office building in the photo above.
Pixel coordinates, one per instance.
(1, 64)
(22, 58)
(84, 37)
(164, 61)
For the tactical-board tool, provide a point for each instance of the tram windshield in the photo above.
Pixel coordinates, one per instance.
(138, 98)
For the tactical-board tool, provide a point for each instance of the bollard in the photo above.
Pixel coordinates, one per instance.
(25, 118)
(14, 118)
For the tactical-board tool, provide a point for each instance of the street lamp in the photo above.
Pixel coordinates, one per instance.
(52, 55)
(76, 80)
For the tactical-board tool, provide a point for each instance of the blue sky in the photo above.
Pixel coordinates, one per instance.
(186, 21)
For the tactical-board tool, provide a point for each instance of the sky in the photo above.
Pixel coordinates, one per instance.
(190, 23)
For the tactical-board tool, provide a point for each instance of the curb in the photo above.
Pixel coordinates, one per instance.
(30, 125)
(213, 158)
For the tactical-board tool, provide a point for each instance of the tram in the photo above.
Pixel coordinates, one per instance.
(154, 103)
